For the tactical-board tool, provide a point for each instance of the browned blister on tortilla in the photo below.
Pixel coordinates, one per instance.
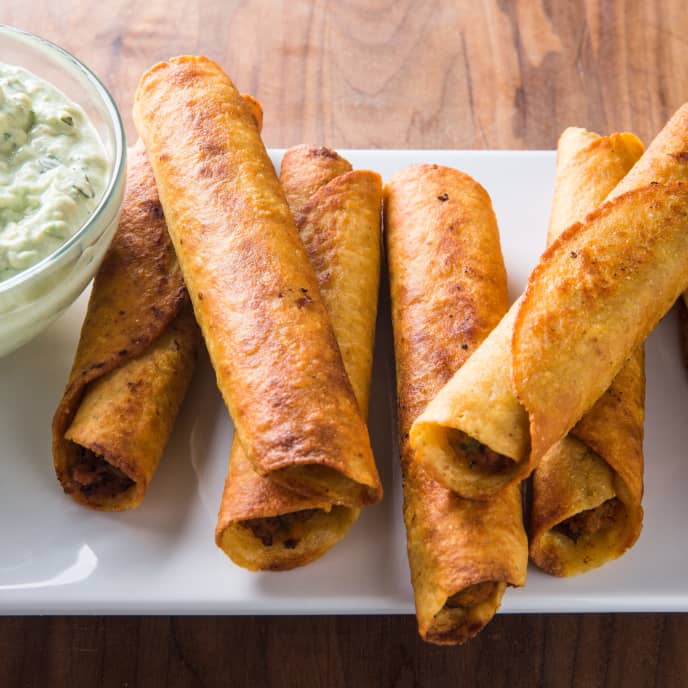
(134, 360)
(587, 489)
(263, 525)
(448, 290)
(254, 293)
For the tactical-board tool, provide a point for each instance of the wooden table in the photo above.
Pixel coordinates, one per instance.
(374, 73)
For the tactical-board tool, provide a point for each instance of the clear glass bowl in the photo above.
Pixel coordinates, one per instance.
(31, 300)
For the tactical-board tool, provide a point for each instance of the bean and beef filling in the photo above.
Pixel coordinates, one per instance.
(590, 521)
(279, 528)
(477, 454)
(95, 476)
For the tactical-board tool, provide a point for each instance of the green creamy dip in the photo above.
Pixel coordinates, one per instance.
(52, 169)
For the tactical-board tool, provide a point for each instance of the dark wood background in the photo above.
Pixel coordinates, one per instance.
(387, 74)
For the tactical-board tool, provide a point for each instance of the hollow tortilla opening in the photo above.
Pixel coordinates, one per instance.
(465, 613)
(586, 540)
(306, 538)
(476, 456)
(95, 477)
(591, 522)
(285, 530)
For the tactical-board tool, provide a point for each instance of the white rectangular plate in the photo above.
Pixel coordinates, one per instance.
(57, 557)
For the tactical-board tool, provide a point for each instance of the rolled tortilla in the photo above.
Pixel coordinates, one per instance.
(448, 289)
(261, 524)
(255, 108)
(589, 169)
(479, 404)
(669, 162)
(255, 296)
(305, 170)
(616, 275)
(587, 490)
(481, 399)
(134, 361)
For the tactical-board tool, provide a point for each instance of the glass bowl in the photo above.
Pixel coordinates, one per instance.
(32, 299)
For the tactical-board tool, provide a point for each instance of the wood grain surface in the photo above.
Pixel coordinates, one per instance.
(388, 74)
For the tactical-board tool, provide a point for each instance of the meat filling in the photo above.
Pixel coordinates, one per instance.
(456, 621)
(472, 595)
(478, 455)
(96, 477)
(591, 521)
(284, 528)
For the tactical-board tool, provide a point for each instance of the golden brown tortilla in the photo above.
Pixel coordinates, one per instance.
(254, 293)
(481, 400)
(477, 402)
(668, 162)
(306, 169)
(587, 490)
(263, 525)
(666, 159)
(589, 169)
(616, 274)
(255, 108)
(134, 361)
(448, 289)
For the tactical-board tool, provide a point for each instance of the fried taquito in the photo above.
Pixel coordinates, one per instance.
(134, 360)
(600, 289)
(263, 525)
(484, 399)
(254, 293)
(587, 489)
(448, 289)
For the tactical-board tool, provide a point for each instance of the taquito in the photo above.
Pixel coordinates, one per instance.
(481, 399)
(134, 360)
(600, 289)
(261, 524)
(476, 415)
(587, 489)
(254, 293)
(448, 289)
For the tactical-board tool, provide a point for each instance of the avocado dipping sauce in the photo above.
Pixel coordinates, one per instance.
(52, 169)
